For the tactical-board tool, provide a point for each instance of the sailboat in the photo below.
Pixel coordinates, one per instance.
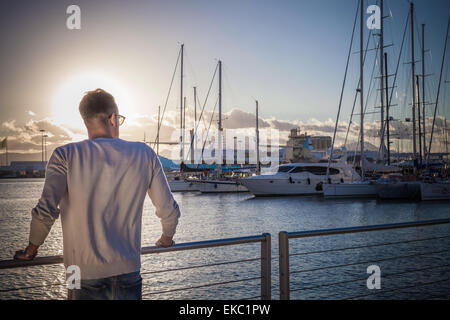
(362, 187)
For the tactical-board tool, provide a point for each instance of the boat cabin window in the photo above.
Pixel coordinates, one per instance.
(319, 171)
(284, 168)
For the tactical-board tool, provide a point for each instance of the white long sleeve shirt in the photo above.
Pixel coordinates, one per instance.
(98, 187)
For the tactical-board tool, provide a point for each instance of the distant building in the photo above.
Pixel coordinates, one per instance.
(295, 146)
(24, 169)
(321, 143)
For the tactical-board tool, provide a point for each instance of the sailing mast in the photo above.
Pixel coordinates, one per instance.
(423, 93)
(219, 140)
(419, 120)
(381, 44)
(181, 106)
(387, 110)
(361, 88)
(194, 146)
(258, 164)
(413, 76)
(157, 135)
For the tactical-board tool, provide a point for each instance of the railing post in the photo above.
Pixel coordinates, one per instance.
(283, 249)
(266, 270)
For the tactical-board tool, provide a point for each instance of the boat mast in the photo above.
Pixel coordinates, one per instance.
(157, 135)
(383, 146)
(194, 146)
(361, 88)
(181, 106)
(220, 146)
(418, 119)
(423, 93)
(387, 110)
(413, 76)
(258, 164)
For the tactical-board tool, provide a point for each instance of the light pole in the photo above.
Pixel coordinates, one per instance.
(45, 147)
(42, 143)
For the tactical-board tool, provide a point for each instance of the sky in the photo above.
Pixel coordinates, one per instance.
(289, 55)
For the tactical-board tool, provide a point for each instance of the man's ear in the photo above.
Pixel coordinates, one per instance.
(112, 120)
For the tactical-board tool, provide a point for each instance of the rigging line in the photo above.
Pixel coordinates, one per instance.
(203, 108)
(356, 93)
(167, 98)
(342, 92)
(396, 72)
(438, 90)
(367, 98)
(207, 132)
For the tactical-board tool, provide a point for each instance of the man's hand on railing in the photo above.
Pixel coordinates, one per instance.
(28, 254)
(164, 242)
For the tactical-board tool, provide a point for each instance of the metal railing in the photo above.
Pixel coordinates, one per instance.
(265, 258)
(284, 268)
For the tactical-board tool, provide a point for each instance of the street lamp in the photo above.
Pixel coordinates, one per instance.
(42, 143)
(45, 147)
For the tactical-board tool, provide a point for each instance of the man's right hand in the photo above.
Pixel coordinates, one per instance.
(164, 242)
(28, 254)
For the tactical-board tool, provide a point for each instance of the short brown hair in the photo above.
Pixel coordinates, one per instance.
(97, 104)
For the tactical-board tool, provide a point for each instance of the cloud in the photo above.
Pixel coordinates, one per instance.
(27, 137)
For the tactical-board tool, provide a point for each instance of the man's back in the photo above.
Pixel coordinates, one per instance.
(102, 184)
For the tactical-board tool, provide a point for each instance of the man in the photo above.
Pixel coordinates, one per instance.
(98, 186)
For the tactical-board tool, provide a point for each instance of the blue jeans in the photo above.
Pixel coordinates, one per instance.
(122, 287)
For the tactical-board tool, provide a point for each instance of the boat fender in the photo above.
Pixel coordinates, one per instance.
(290, 180)
(319, 186)
(308, 180)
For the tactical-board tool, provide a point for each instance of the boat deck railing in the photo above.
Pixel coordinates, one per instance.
(265, 264)
(436, 250)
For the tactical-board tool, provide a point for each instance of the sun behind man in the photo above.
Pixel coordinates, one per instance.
(100, 185)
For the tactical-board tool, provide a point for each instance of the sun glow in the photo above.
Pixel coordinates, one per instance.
(68, 96)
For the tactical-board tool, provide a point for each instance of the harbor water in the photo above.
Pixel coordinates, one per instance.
(218, 216)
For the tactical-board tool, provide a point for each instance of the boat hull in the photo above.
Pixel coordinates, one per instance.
(182, 186)
(349, 190)
(277, 187)
(219, 187)
(435, 191)
(399, 190)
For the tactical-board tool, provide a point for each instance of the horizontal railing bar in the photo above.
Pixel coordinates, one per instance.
(367, 246)
(201, 266)
(400, 288)
(203, 244)
(9, 264)
(323, 232)
(200, 286)
(370, 261)
(250, 298)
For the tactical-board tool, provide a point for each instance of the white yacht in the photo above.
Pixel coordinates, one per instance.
(299, 179)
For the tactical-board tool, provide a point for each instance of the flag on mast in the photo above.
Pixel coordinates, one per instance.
(4, 143)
